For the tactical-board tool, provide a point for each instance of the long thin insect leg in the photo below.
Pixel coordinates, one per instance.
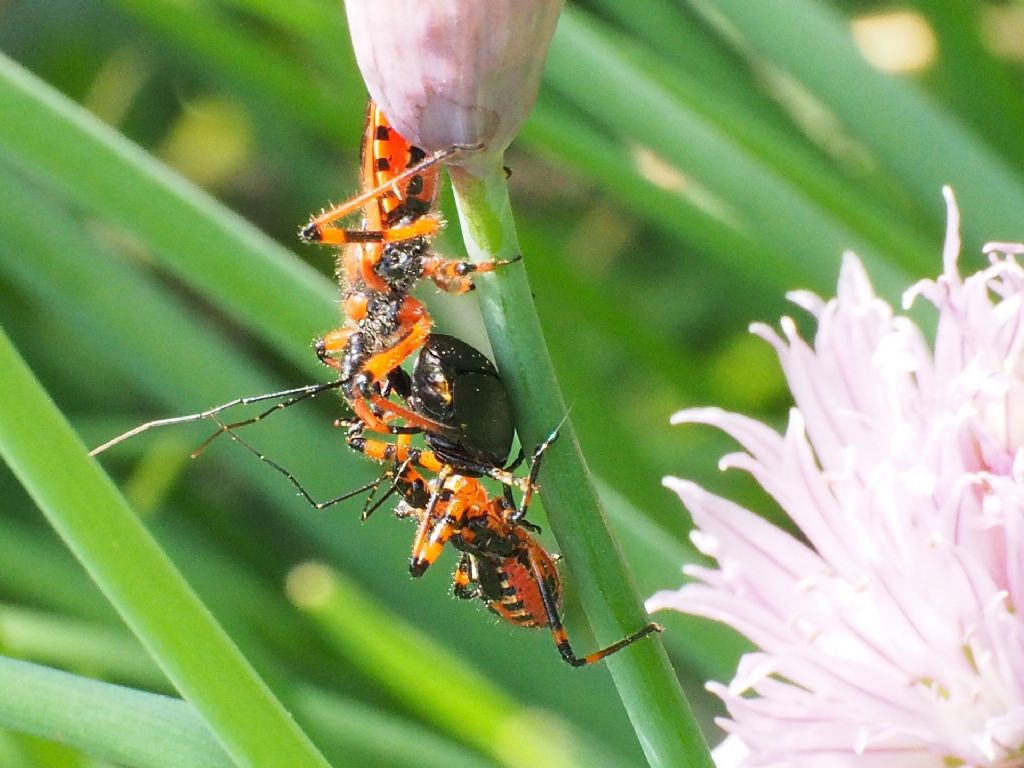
(309, 233)
(531, 480)
(258, 417)
(396, 476)
(308, 390)
(318, 505)
(558, 633)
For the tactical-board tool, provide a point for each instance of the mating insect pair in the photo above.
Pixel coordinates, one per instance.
(454, 396)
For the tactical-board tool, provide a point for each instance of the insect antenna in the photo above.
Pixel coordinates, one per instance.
(258, 417)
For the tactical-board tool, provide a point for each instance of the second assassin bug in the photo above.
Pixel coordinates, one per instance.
(502, 564)
(518, 580)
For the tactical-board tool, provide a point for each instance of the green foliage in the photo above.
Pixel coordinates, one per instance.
(686, 165)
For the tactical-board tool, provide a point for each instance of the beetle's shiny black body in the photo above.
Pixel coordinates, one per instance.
(457, 386)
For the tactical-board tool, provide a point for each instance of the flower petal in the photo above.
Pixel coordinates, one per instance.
(890, 634)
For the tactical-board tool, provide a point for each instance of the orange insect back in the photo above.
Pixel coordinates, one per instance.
(390, 154)
(398, 188)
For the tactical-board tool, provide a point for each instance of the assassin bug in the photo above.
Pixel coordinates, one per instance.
(380, 264)
(384, 324)
(501, 563)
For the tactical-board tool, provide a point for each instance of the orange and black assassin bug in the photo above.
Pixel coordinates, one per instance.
(379, 265)
(502, 564)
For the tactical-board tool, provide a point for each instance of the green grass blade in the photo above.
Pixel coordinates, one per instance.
(143, 730)
(63, 589)
(377, 737)
(86, 510)
(350, 728)
(68, 643)
(918, 140)
(733, 183)
(269, 75)
(970, 77)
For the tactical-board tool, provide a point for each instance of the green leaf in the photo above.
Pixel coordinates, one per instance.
(917, 139)
(47, 134)
(84, 507)
(142, 730)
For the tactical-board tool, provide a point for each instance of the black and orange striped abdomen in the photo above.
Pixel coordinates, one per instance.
(386, 154)
(509, 588)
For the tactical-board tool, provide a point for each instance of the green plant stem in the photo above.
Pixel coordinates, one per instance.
(126, 563)
(646, 681)
(69, 643)
(118, 724)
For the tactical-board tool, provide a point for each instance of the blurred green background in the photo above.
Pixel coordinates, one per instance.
(686, 165)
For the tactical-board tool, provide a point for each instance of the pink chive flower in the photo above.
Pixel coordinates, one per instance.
(449, 72)
(890, 635)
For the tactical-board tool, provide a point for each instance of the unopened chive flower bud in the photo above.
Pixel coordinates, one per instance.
(453, 72)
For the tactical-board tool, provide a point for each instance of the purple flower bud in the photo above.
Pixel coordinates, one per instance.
(453, 72)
